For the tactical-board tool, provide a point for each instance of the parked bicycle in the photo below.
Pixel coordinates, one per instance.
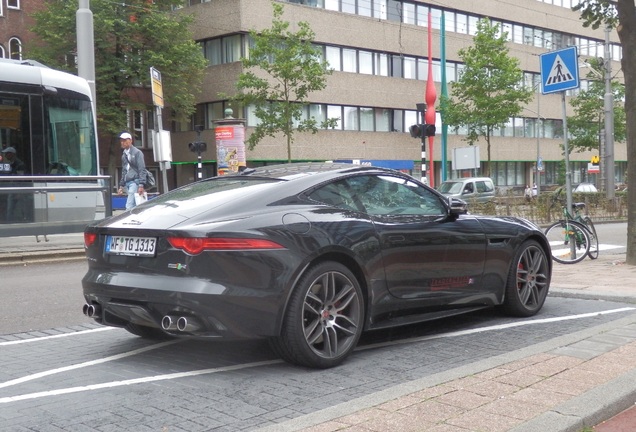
(573, 237)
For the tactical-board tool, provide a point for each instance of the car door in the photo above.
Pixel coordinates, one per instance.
(426, 254)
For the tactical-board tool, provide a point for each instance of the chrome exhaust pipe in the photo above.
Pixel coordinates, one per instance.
(169, 323)
(91, 310)
(188, 325)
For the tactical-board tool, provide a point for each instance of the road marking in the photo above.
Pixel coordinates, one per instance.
(112, 384)
(38, 339)
(499, 327)
(85, 364)
(178, 375)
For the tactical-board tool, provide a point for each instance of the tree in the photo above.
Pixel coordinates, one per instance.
(621, 14)
(129, 38)
(294, 68)
(587, 124)
(489, 90)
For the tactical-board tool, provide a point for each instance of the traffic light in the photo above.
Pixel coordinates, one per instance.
(429, 130)
(416, 130)
(197, 147)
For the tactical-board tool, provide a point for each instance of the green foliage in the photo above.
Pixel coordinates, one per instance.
(129, 38)
(597, 12)
(589, 107)
(293, 69)
(489, 90)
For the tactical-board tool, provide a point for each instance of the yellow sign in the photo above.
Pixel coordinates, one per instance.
(157, 88)
(595, 160)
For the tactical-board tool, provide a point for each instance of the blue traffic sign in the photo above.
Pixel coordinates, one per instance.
(559, 70)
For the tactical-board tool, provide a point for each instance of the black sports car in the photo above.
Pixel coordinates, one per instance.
(309, 255)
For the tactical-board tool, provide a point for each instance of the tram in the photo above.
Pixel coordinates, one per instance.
(49, 180)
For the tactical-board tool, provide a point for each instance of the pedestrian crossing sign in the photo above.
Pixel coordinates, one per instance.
(559, 70)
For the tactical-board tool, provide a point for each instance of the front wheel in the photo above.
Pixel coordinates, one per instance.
(593, 252)
(569, 241)
(528, 280)
(324, 318)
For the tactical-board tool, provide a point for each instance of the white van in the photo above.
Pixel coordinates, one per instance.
(470, 189)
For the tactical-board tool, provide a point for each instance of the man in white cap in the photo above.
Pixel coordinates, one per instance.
(133, 170)
(8, 157)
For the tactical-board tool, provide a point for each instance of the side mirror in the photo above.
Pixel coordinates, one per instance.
(457, 206)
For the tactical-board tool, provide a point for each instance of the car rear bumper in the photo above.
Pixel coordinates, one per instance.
(210, 309)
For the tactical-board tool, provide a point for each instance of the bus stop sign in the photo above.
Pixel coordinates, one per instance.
(559, 70)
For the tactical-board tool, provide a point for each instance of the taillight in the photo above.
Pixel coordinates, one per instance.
(196, 245)
(89, 239)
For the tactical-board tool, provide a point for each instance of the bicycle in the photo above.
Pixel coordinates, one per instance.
(577, 227)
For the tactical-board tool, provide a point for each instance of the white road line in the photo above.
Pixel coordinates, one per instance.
(39, 339)
(498, 327)
(112, 384)
(85, 364)
(178, 375)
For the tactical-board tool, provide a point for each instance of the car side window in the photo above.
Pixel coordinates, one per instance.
(388, 195)
(483, 186)
(468, 189)
(337, 194)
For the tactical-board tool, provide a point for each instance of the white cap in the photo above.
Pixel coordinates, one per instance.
(8, 150)
(125, 135)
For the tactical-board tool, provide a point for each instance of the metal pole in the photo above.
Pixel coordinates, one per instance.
(538, 172)
(85, 45)
(568, 173)
(566, 150)
(608, 163)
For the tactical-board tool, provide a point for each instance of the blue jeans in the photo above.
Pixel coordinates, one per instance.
(131, 187)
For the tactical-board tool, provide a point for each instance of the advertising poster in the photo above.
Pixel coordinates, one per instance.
(230, 148)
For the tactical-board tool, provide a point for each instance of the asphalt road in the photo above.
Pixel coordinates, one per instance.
(84, 376)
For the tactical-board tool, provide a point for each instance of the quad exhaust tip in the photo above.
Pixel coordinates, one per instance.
(182, 324)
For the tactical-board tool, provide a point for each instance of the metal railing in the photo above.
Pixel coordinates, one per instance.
(40, 205)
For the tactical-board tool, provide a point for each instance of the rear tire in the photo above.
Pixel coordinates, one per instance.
(324, 318)
(528, 280)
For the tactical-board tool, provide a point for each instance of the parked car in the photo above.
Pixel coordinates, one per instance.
(308, 255)
(470, 189)
(585, 188)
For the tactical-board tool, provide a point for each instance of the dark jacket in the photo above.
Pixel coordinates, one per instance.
(135, 170)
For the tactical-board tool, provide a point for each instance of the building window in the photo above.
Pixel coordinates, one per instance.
(15, 49)
(349, 61)
(227, 49)
(366, 62)
(367, 119)
(2, 52)
(137, 125)
(13, 4)
(332, 55)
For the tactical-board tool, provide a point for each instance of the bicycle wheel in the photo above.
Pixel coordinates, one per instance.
(569, 241)
(593, 252)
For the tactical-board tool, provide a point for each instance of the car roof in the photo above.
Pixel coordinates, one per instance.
(295, 170)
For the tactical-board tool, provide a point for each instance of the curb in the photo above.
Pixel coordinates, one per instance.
(611, 398)
(24, 258)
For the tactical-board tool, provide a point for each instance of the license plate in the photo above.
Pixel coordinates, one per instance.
(131, 246)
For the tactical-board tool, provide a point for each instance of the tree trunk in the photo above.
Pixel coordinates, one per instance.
(627, 35)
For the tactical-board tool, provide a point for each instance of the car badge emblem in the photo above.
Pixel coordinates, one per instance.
(178, 266)
(132, 222)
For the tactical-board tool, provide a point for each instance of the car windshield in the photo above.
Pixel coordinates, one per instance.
(451, 187)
